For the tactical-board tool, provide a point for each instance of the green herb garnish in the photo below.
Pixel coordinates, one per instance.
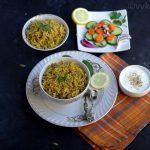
(44, 27)
(115, 16)
(117, 22)
(124, 19)
(62, 78)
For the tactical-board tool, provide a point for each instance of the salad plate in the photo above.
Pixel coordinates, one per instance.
(70, 115)
(98, 17)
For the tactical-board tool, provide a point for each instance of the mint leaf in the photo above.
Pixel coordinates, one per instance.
(117, 22)
(124, 19)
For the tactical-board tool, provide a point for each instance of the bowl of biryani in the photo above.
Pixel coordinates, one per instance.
(45, 32)
(64, 80)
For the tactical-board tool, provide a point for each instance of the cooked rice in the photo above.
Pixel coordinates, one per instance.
(64, 80)
(51, 37)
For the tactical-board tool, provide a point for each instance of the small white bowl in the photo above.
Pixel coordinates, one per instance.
(65, 59)
(129, 89)
(43, 17)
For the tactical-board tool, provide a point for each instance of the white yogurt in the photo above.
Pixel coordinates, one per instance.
(141, 72)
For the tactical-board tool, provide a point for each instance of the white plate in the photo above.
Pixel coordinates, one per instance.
(69, 115)
(98, 16)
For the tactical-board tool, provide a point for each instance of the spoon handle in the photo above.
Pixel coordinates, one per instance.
(92, 105)
(88, 113)
(85, 104)
(90, 116)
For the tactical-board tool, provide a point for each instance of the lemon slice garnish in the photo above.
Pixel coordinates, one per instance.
(99, 80)
(81, 16)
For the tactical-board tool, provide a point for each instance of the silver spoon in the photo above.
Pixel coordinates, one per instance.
(92, 94)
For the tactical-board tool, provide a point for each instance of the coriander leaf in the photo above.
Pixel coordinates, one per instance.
(118, 15)
(44, 27)
(62, 78)
(124, 19)
(117, 22)
(113, 15)
(65, 76)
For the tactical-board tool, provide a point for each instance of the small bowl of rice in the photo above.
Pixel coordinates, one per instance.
(45, 32)
(64, 80)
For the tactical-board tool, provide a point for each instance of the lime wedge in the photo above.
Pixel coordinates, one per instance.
(99, 80)
(80, 16)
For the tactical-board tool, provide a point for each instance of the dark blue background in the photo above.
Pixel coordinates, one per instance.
(20, 127)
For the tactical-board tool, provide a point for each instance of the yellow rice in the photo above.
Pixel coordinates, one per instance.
(40, 38)
(64, 80)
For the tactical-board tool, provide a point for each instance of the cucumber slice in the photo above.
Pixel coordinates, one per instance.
(117, 31)
(113, 42)
(101, 44)
(88, 36)
(90, 24)
(107, 22)
(95, 35)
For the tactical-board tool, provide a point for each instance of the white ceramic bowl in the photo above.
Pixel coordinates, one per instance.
(127, 88)
(43, 17)
(65, 59)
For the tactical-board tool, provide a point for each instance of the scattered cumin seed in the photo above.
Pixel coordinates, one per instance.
(22, 65)
(55, 144)
(135, 80)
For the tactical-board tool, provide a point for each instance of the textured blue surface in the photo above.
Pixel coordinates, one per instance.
(20, 127)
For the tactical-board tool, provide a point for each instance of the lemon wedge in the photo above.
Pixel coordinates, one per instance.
(81, 16)
(99, 80)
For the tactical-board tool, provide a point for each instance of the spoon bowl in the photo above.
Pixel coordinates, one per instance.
(93, 94)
